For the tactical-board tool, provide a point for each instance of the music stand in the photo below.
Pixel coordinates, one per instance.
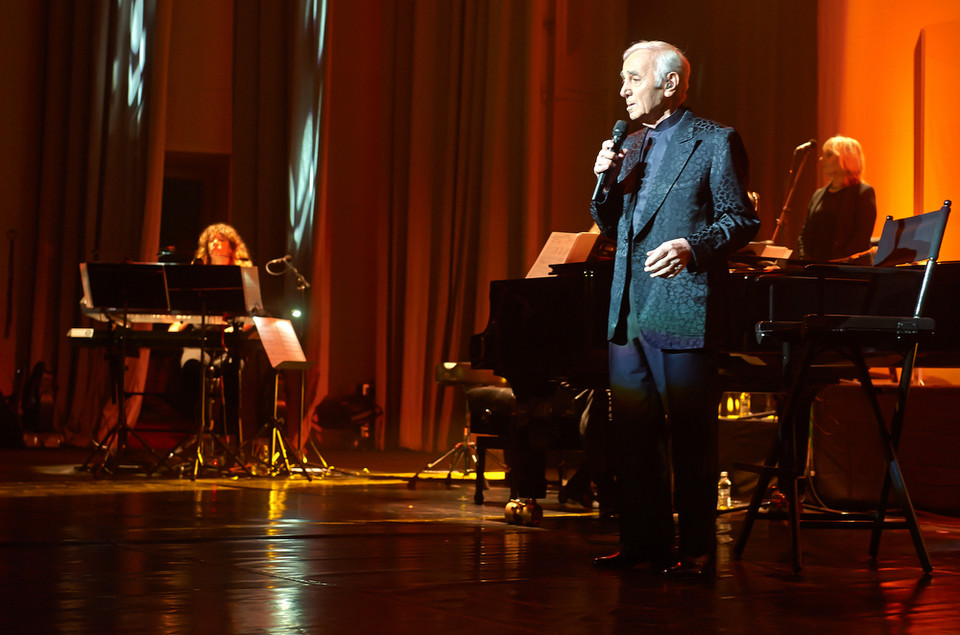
(226, 291)
(121, 289)
(284, 353)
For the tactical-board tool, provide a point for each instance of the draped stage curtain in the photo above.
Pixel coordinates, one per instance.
(434, 144)
(460, 133)
(471, 202)
(446, 167)
(98, 184)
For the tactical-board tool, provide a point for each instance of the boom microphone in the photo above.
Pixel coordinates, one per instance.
(280, 261)
(618, 136)
(803, 147)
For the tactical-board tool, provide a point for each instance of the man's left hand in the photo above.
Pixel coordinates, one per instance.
(669, 259)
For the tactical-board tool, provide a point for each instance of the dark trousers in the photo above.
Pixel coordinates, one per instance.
(222, 374)
(664, 406)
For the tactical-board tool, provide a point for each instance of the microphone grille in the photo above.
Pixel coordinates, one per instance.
(619, 129)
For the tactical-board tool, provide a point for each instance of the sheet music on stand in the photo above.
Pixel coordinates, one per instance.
(564, 247)
(281, 343)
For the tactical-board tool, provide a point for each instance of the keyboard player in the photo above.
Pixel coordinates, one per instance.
(218, 244)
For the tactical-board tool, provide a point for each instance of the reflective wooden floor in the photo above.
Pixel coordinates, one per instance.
(360, 552)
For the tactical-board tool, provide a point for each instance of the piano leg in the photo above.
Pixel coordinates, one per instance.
(525, 454)
(481, 470)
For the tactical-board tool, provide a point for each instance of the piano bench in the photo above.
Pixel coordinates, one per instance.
(491, 408)
(554, 425)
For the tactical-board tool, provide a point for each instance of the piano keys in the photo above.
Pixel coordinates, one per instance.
(134, 339)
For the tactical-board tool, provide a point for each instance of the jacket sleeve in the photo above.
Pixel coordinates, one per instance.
(606, 214)
(735, 221)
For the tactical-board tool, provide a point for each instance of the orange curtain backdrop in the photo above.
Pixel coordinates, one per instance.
(875, 80)
(155, 36)
(458, 168)
(97, 183)
(889, 77)
(936, 133)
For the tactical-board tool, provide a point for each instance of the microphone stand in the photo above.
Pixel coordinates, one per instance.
(302, 286)
(794, 178)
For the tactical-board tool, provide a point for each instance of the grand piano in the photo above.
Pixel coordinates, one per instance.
(545, 333)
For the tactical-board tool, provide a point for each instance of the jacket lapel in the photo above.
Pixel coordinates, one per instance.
(675, 159)
(633, 147)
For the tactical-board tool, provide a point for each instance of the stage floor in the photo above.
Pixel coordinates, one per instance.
(358, 551)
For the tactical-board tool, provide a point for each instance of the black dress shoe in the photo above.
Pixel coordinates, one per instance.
(702, 568)
(626, 559)
(619, 560)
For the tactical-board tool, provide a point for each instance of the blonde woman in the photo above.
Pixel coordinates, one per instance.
(842, 214)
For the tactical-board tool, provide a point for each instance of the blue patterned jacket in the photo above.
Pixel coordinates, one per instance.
(699, 193)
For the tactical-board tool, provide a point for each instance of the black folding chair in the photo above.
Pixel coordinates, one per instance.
(891, 326)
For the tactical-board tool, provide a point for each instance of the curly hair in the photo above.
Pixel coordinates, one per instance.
(240, 254)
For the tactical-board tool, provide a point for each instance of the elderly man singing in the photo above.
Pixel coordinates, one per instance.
(676, 203)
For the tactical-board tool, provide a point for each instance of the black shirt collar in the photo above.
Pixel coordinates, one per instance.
(669, 122)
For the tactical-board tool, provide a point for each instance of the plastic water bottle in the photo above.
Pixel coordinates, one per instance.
(745, 405)
(723, 492)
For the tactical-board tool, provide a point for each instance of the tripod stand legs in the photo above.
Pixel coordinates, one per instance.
(112, 458)
(279, 451)
(312, 445)
(201, 454)
(200, 449)
(463, 454)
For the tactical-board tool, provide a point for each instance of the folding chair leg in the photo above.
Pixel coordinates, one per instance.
(881, 514)
(793, 497)
(783, 459)
(756, 500)
(910, 515)
(893, 477)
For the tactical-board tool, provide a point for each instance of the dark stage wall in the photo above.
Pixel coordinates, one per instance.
(453, 138)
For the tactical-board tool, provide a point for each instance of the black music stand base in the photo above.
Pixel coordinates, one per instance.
(113, 460)
(193, 449)
(193, 446)
(271, 457)
(122, 456)
(464, 454)
(283, 350)
(322, 466)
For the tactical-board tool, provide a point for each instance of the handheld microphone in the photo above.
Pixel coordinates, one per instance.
(803, 147)
(618, 136)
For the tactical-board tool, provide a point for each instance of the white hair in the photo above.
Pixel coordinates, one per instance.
(668, 59)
